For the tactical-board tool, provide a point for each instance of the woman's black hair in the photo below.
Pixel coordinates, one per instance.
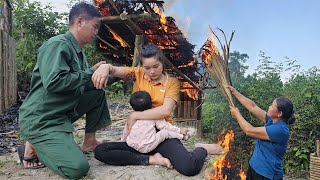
(151, 50)
(285, 106)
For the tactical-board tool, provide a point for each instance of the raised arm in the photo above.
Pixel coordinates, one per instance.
(248, 129)
(250, 105)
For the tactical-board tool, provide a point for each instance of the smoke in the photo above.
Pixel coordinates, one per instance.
(168, 4)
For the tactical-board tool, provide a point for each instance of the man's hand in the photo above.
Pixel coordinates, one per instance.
(100, 76)
(96, 66)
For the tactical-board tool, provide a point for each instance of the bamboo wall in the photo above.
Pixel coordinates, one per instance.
(188, 113)
(8, 72)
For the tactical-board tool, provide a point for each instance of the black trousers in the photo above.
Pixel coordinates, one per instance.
(185, 162)
(253, 175)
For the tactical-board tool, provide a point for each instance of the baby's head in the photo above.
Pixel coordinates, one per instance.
(140, 101)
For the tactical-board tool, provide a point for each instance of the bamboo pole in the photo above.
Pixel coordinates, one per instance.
(134, 17)
(124, 17)
(6, 80)
(108, 44)
(1, 75)
(318, 148)
(199, 115)
(137, 47)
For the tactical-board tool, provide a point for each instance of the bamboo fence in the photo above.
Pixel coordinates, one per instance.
(8, 72)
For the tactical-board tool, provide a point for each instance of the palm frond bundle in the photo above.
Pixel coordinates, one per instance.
(216, 64)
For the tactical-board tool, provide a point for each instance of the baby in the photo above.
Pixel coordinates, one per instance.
(143, 135)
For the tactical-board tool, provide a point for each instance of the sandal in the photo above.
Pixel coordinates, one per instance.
(33, 159)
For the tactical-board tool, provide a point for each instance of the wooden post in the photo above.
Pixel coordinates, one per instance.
(199, 118)
(189, 109)
(5, 63)
(185, 109)
(1, 75)
(133, 17)
(194, 108)
(179, 109)
(137, 48)
(318, 148)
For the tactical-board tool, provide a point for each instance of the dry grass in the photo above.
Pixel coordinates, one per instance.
(217, 64)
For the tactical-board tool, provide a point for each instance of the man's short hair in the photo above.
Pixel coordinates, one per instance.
(83, 9)
(140, 101)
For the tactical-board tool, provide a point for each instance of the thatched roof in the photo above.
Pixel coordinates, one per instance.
(126, 19)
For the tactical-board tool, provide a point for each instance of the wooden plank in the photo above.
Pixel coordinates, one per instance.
(199, 117)
(194, 110)
(1, 76)
(15, 83)
(179, 109)
(5, 47)
(10, 79)
(318, 148)
(189, 109)
(185, 109)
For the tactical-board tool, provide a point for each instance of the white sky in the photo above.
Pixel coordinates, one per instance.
(285, 29)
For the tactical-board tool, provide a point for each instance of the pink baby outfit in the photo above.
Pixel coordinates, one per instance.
(143, 136)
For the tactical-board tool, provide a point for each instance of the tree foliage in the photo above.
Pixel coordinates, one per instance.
(34, 24)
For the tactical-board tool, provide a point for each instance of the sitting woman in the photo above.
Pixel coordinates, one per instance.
(272, 139)
(164, 91)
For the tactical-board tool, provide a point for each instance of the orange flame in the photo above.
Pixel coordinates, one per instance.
(210, 50)
(192, 93)
(191, 63)
(163, 19)
(98, 2)
(118, 38)
(221, 161)
(101, 46)
(242, 174)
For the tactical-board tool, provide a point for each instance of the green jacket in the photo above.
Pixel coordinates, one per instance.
(59, 77)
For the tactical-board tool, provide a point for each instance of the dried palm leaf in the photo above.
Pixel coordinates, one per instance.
(216, 64)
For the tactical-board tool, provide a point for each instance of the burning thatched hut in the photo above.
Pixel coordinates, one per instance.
(127, 24)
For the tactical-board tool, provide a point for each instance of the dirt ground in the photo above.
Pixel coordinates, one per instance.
(11, 169)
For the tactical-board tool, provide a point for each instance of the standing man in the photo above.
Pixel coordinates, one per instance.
(61, 92)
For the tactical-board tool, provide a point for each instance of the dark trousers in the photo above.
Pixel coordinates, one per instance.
(253, 175)
(186, 163)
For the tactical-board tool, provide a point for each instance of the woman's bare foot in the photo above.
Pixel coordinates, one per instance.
(29, 153)
(212, 149)
(158, 159)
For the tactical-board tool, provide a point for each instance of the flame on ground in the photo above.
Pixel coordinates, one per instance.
(221, 162)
